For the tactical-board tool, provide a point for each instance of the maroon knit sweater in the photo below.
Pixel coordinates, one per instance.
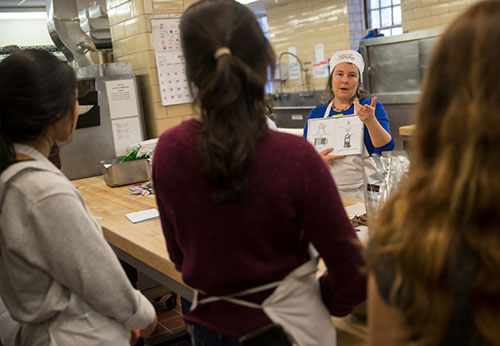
(226, 248)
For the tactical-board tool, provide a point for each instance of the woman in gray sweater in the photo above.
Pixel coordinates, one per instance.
(58, 277)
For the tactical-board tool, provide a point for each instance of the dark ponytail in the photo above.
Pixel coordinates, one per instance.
(229, 88)
(36, 90)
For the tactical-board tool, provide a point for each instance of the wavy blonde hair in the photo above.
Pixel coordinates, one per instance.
(451, 199)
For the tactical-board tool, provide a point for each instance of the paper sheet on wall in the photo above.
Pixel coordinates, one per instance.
(320, 69)
(291, 59)
(122, 98)
(293, 71)
(170, 62)
(319, 50)
(343, 134)
(125, 132)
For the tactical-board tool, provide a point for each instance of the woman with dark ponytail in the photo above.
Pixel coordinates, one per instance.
(239, 203)
(58, 277)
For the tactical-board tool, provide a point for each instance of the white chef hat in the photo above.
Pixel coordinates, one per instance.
(350, 56)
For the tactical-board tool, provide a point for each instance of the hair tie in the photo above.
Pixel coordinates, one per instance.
(221, 51)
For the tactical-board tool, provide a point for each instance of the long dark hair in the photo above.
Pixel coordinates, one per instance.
(448, 209)
(229, 89)
(36, 89)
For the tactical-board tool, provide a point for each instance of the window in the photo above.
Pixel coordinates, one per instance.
(263, 25)
(385, 15)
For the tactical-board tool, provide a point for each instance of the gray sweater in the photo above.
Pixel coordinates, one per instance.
(54, 261)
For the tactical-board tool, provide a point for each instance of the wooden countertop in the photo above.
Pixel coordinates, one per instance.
(143, 240)
(407, 130)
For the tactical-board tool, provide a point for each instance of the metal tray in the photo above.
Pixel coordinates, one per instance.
(118, 173)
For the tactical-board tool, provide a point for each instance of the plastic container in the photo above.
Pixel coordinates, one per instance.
(118, 173)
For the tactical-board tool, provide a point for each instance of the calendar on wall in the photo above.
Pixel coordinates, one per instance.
(170, 62)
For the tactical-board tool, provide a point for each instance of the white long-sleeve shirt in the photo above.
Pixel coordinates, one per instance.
(55, 264)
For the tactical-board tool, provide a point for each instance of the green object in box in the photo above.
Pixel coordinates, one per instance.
(131, 156)
(117, 173)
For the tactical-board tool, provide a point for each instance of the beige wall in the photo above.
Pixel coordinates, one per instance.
(428, 14)
(303, 24)
(130, 22)
(339, 24)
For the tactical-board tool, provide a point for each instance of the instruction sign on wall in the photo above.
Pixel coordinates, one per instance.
(170, 62)
(124, 113)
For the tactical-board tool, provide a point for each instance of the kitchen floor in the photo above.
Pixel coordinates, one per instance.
(170, 322)
(351, 331)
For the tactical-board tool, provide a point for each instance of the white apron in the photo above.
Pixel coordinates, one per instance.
(79, 323)
(348, 171)
(295, 304)
(8, 327)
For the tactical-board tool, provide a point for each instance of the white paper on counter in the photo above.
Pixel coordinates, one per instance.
(357, 209)
(363, 234)
(125, 132)
(122, 98)
(143, 215)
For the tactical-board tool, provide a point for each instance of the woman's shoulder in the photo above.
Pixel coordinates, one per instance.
(319, 110)
(284, 138)
(181, 134)
(286, 144)
(36, 182)
(182, 129)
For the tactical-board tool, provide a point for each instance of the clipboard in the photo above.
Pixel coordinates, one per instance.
(344, 134)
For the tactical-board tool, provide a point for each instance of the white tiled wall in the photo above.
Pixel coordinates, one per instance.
(303, 24)
(428, 14)
(130, 22)
(337, 24)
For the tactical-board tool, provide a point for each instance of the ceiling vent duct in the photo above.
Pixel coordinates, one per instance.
(68, 36)
(94, 22)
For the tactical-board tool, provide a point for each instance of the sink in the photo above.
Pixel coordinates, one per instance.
(292, 109)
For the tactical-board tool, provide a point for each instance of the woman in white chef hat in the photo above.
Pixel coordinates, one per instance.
(344, 97)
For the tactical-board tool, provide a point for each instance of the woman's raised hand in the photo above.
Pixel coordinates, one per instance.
(366, 113)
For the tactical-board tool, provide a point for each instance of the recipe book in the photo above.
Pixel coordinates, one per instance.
(344, 134)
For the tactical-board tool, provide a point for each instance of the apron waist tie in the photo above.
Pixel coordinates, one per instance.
(305, 269)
